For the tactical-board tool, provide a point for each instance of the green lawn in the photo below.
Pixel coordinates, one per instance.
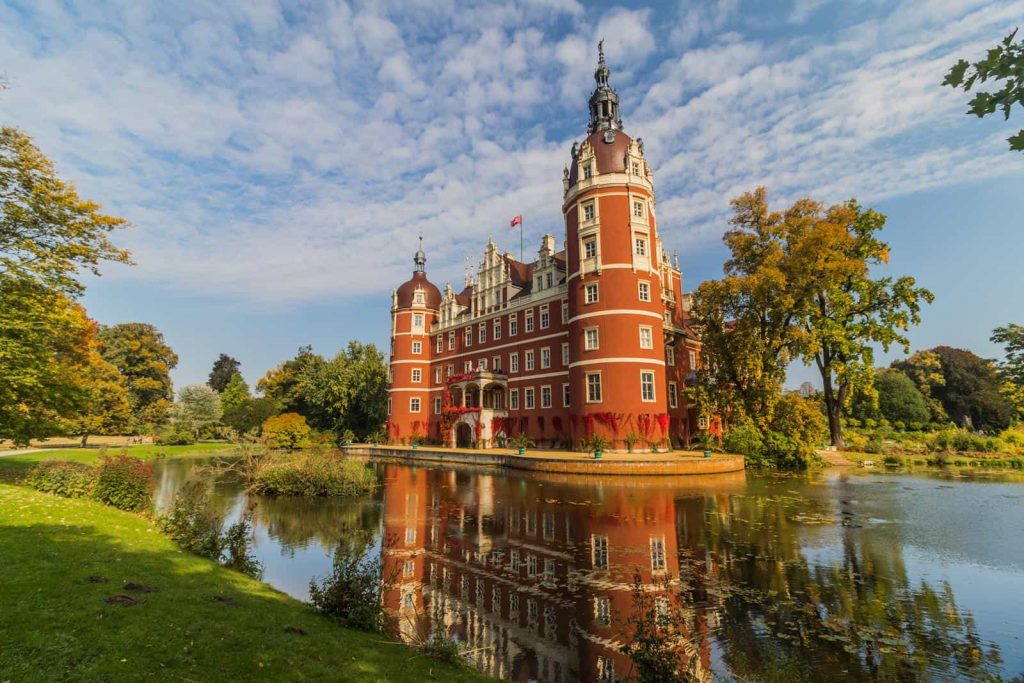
(201, 622)
(91, 455)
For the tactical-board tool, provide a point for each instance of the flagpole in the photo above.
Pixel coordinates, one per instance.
(521, 241)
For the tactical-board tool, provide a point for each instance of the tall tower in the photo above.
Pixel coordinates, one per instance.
(414, 308)
(614, 283)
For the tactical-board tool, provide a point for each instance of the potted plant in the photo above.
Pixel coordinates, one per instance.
(631, 439)
(597, 444)
(415, 441)
(521, 442)
(708, 441)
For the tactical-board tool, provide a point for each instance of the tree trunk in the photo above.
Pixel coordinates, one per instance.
(833, 404)
(85, 440)
(835, 426)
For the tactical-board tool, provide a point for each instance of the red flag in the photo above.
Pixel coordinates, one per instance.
(518, 220)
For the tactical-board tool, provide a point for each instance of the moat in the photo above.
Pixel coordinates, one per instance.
(848, 575)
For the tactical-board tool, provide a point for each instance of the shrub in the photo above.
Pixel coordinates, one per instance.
(962, 441)
(874, 445)
(744, 439)
(899, 425)
(237, 542)
(176, 435)
(916, 426)
(315, 473)
(870, 423)
(288, 430)
(68, 479)
(853, 422)
(351, 593)
(347, 438)
(124, 482)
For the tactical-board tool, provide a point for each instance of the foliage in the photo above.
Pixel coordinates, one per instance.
(521, 440)
(48, 232)
(145, 361)
(1004, 62)
(924, 368)
(250, 414)
(746, 439)
(61, 478)
(195, 525)
(176, 434)
(1011, 369)
(288, 430)
(631, 439)
(283, 384)
(970, 393)
(234, 393)
(348, 392)
(319, 472)
(197, 408)
(351, 594)
(224, 369)
(594, 443)
(895, 397)
(788, 442)
(659, 640)
(47, 348)
(124, 482)
(105, 408)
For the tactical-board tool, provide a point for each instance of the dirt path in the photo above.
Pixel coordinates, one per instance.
(23, 451)
(836, 459)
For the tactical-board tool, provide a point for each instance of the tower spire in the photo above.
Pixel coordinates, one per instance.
(604, 102)
(421, 258)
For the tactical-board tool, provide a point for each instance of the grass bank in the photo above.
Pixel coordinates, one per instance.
(92, 455)
(181, 617)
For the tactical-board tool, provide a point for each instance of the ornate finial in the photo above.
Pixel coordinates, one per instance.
(604, 102)
(421, 258)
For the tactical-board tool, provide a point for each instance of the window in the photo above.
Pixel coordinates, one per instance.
(529, 360)
(646, 337)
(565, 312)
(410, 535)
(451, 340)
(638, 208)
(496, 331)
(565, 353)
(673, 400)
(670, 354)
(513, 399)
(531, 611)
(587, 172)
(645, 291)
(589, 248)
(483, 332)
(389, 406)
(417, 320)
(468, 366)
(591, 293)
(549, 625)
(496, 600)
(514, 559)
(605, 670)
(593, 387)
(529, 319)
(588, 211)
(418, 297)
(545, 397)
(549, 530)
(513, 604)
(439, 344)
(549, 280)
(658, 553)
(528, 398)
(693, 360)
(451, 369)
(545, 357)
(531, 522)
(565, 395)
(414, 405)
(417, 375)
(640, 246)
(437, 375)
(646, 386)
(496, 363)
(481, 364)
(437, 406)
(469, 336)
(545, 317)
(591, 340)
(513, 362)
(409, 568)
(636, 168)
(603, 611)
(599, 551)
(531, 565)
(513, 324)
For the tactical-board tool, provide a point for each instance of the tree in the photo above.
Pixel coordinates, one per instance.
(234, 393)
(349, 392)
(284, 383)
(105, 408)
(288, 430)
(250, 414)
(1004, 62)
(1011, 369)
(970, 392)
(895, 397)
(145, 361)
(197, 407)
(48, 232)
(924, 369)
(46, 344)
(224, 368)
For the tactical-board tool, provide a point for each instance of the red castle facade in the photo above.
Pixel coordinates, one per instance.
(592, 338)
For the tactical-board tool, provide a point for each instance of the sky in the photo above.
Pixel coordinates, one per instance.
(277, 160)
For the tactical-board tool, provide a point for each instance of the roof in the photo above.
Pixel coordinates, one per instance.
(406, 291)
(610, 156)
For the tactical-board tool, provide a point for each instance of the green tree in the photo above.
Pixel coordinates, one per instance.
(895, 397)
(924, 368)
(196, 408)
(1004, 62)
(48, 232)
(971, 391)
(234, 393)
(348, 392)
(1011, 369)
(105, 407)
(145, 361)
(224, 368)
(284, 383)
(250, 414)
(46, 342)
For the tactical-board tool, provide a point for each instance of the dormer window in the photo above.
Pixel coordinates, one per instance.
(590, 249)
(587, 173)
(636, 168)
(418, 298)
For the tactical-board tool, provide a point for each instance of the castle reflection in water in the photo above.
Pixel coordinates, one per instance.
(534, 585)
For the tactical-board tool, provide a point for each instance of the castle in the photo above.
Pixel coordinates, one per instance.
(590, 339)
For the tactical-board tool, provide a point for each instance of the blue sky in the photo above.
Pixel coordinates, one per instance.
(277, 160)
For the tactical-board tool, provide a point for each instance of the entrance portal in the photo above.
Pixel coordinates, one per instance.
(463, 435)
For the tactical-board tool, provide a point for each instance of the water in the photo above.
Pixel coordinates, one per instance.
(844, 576)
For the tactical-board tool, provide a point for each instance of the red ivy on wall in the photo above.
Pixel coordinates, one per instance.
(556, 423)
(662, 419)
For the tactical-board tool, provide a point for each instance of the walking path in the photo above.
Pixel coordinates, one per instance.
(23, 451)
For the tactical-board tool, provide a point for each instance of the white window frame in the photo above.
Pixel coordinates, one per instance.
(496, 329)
(565, 312)
(638, 209)
(643, 386)
(513, 324)
(545, 317)
(417, 375)
(528, 324)
(591, 293)
(437, 405)
(468, 366)
(589, 209)
(646, 337)
(545, 357)
(566, 396)
(587, 386)
(414, 404)
(496, 363)
(587, 344)
(437, 375)
(658, 558)
(529, 399)
(565, 353)
(673, 395)
(468, 334)
(513, 399)
(670, 354)
(643, 290)
(693, 360)
(451, 340)
(513, 362)
(599, 552)
(640, 247)
(589, 245)
(482, 333)
(439, 344)
(545, 396)
(417, 348)
(528, 361)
